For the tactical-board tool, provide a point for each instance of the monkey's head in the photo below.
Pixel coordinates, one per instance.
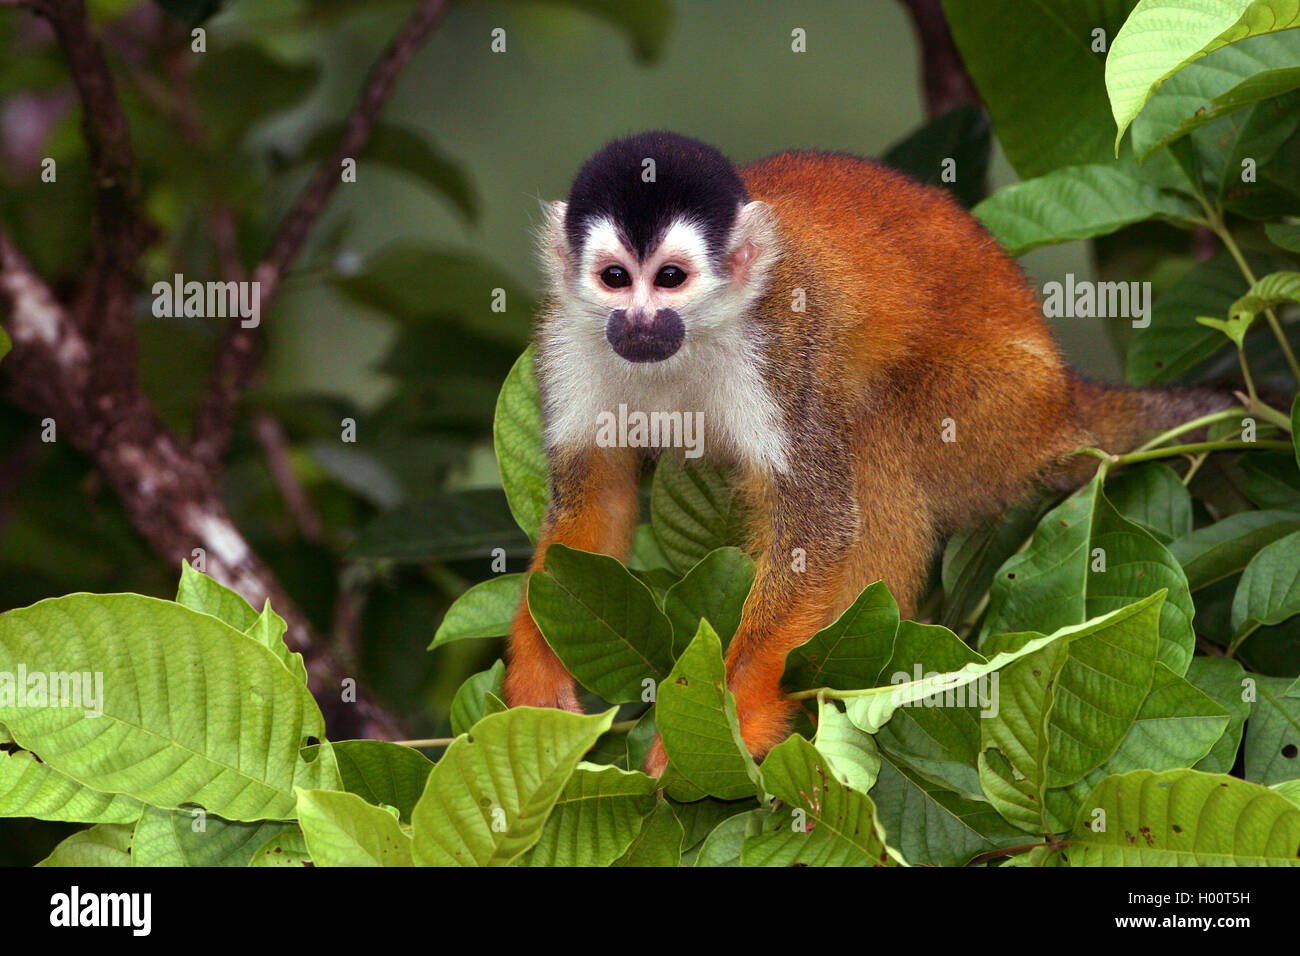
(658, 246)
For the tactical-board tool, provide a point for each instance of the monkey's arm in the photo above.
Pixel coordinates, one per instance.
(802, 531)
(594, 507)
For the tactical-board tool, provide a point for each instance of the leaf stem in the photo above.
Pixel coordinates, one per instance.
(1195, 466)
(1195, 423)
(1240, 639)
(1220, 229)
(426, 742)
(1196, 448)
(1269, 414)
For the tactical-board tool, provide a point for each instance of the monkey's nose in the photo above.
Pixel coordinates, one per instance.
(638, 336)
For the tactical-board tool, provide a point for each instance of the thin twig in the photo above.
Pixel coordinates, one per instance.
(275, 449)
(236, 361)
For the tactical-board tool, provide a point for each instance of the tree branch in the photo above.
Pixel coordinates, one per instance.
(172, 500)
(102, 305)
(237, 357)
(76, 364)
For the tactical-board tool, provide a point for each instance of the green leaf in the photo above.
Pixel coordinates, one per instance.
(972, 557)
(933, 826)
(380, 772)
(341, 829)
(104, 844)
(724, 845)
(1289, 789)
(1174, 343)
(5, 343)
(699, 818)
(485, 610)
(201, 593)
(713, 590)
(1046, 856)
(851, 753)
(1063, 710)
(1269, 591)
(1153, 497)
(1273, 289)
(1264, 134)
(521, 453)
(640, 739)
(406, 151)
(469, 706)
(658, 842)
(1178, 726)
(1056, 37)
(1295, 428)
(488, 798)
(1273, 734)
(1224, 548)
(1272, 481)
(269, 630)
(852, 650)
(1185, 818)
(1284, 234)
(1052, 584)
(872, 708)
(288, 848)
(696, 715)
(1222, 680)
(453, 526)
(181, 838)
(693, 511)
(595, 821)
(823, 823)
(30, 788)
(199, 713)
(1227, 80)
(937, 737)
(1160, 37)
(961, 136)
(602, 622)
(1076, 202)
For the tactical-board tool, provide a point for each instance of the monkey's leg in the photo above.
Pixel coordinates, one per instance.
(802, 528)
(887, 536)
(594, 507)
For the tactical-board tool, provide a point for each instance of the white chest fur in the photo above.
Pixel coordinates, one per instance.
(711, 392)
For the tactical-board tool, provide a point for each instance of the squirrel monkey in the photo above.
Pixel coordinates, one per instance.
(872, 368)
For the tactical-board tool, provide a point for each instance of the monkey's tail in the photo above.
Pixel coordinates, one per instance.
(1117, 418)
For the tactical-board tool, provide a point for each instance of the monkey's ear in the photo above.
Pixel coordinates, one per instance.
(753, 241)
(553, 244)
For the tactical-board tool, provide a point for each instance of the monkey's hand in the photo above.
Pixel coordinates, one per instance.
(535, 677)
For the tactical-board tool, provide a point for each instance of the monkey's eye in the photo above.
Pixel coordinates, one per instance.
(670, 277)
(615, 277)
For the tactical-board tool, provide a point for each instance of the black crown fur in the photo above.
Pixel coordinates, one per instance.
(692, 181)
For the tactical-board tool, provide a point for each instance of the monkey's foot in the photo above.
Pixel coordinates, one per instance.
(764, 721)
(525, 690)
(656, 761)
